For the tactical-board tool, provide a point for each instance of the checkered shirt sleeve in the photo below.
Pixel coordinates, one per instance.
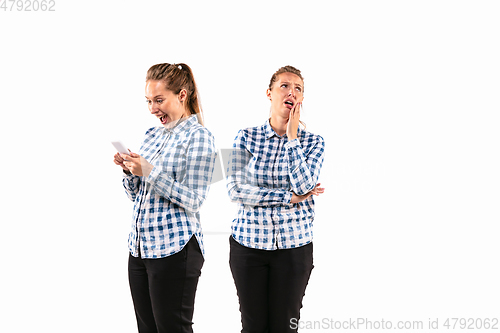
(242, 187)
(264, 170)
(167, 202)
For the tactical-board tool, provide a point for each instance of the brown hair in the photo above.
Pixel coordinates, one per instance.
(176, 78)
(285, 69)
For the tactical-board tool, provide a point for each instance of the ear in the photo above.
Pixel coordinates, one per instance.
(182, 95)
(268, 93)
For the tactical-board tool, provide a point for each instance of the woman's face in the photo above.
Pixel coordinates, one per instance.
(163, 103)
(286, 92)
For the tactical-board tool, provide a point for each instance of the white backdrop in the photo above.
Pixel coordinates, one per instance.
(405, 93)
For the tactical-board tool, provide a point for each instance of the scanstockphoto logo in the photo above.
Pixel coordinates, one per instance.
(354, 324)
(431, 324)
(226, 163)
(232, 163)
(223, 167)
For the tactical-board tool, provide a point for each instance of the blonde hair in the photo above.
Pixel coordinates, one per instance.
(177, 77)
(285, 69)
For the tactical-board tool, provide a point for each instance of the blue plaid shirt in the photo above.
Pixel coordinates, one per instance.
(166, 203)
(264, 170)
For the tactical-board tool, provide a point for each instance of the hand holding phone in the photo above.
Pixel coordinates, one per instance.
(118, 159)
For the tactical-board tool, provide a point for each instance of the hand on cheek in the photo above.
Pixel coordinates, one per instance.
(293, 122)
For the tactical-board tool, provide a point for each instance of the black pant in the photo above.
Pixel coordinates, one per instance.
(270, 285)
(163, 290)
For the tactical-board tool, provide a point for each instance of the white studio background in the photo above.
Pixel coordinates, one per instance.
(405, 93)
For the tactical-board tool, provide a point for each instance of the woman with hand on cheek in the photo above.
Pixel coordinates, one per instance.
(168, 181)
(273, 176)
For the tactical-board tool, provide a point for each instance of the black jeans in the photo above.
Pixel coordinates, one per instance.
(163, 289)
(270, 286)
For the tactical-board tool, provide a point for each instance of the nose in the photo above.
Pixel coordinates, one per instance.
(291, 93)
(152, 108)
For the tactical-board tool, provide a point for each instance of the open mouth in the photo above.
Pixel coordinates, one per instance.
(163, 119)
(289, 104)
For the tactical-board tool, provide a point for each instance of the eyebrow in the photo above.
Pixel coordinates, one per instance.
(288, 82)
(154, 97)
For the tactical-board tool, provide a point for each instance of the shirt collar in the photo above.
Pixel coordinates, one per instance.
(182, 124)
(268, 130)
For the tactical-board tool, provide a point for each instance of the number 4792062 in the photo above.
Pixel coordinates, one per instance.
(28, 5)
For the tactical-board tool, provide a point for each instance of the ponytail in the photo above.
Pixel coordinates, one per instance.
(178, 77)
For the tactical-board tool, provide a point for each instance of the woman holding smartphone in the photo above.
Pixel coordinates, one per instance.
(273, 176)
(168, 181)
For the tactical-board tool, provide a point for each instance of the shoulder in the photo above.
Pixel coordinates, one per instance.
(200, 131)
(251, 134)
(200, 136)
(310, 139)
(254, 131)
